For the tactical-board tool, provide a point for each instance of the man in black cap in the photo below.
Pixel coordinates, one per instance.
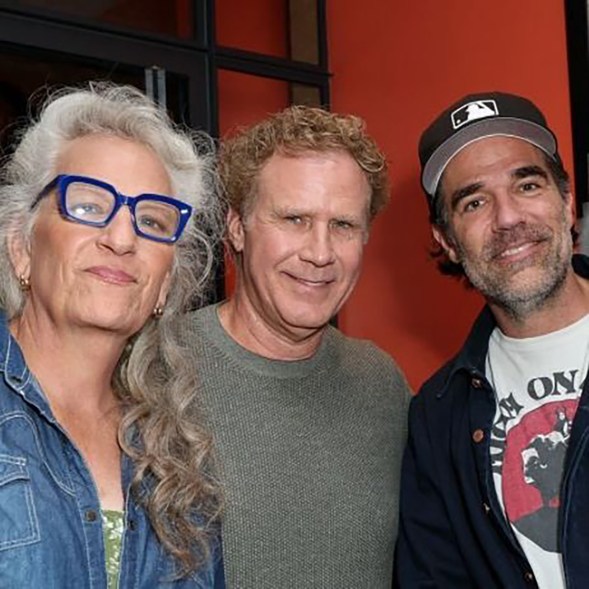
(495, 480)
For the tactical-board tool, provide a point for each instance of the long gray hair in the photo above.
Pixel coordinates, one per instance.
(161, 428)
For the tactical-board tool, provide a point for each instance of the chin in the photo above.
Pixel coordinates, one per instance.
(309, 321)
(119, 323)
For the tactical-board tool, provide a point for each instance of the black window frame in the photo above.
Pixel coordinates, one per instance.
(577, 32)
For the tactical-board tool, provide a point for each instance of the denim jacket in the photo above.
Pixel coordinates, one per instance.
(50, 522)
(453, 533)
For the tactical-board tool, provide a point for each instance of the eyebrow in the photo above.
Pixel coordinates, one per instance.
(526, 171)
(282, 210)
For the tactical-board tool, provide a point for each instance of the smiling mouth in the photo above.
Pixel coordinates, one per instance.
(518, 249)
(517, 243)
(111, 275)
(311, 282)
(508, 250)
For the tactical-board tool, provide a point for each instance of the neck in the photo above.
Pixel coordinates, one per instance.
(567, 305)
(249, 330)
(73, 365)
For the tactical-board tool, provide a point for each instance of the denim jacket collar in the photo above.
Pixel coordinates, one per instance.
(16, 373)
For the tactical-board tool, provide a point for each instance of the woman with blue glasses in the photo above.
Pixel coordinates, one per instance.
(108, 221)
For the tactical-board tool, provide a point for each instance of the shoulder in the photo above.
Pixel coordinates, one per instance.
(198, 323)
(364, 358)
(437, 383)
(202, 316)
(353, 348)
(440, 402)
(450, 378)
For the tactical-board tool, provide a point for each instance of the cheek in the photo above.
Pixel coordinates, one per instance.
(271, 246)
(161, 269)
(50, 255)
(468, 237)
(351, 260)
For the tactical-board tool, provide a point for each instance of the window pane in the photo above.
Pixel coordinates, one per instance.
(280, 28)
(27, 73)
(170, 17)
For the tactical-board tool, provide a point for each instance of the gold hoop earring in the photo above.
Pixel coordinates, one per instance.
(25, 283)
(158, 312)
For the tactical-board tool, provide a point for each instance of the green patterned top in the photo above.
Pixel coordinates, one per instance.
(113, 525)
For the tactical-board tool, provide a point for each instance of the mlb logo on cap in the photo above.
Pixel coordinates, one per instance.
(475, 117)
(478, 109)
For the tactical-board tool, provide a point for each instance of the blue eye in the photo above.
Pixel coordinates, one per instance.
(343, 225)
(156, 218)
(84, 210)
(150, 222)
(294, 219)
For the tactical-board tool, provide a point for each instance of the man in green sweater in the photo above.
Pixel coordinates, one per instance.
(309, 425)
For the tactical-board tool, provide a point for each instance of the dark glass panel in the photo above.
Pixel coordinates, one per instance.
(169, 17)
(26, 78)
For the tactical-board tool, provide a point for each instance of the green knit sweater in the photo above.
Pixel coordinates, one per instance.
(310, 454)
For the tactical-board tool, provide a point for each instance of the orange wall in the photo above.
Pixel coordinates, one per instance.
(397, 64)
(255, 25)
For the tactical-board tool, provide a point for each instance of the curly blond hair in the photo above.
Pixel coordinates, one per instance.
(295, 131)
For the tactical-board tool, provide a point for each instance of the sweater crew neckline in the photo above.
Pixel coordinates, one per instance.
(236, 353)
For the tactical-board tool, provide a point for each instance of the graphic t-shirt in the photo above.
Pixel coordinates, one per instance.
(537, 382)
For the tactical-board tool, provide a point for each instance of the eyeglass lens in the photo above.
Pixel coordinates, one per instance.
(94, 205)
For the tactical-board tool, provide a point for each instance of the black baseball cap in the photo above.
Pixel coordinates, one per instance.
(475, 117)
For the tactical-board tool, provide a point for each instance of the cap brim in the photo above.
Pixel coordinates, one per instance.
(492, 127)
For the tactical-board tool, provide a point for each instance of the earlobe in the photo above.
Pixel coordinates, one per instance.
(445, 244)
(235, 230)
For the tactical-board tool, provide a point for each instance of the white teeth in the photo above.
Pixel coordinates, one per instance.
(514, 250)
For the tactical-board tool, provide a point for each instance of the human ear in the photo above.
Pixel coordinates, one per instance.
(19, 252)
(569, 203)
(235, 230)
(445, 243)
(164, 289)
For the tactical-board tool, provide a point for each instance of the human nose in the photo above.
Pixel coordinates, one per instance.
(318, 247)
(119, 235)
(507, 211)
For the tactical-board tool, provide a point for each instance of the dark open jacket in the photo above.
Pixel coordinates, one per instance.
(453, 533)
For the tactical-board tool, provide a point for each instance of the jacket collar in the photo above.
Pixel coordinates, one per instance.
(473, 354)
(12, 362)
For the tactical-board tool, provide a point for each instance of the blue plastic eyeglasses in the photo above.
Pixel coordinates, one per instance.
(93, 202)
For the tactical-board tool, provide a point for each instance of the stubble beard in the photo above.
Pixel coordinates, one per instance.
(519, 297)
